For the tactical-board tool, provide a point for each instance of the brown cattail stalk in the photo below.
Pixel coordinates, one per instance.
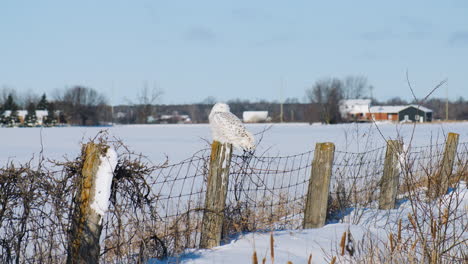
(254, 258)
(333, 260)
(399, 231)
(392, 246)
(413, 223)
(264, 260)
(272, 248)
(310, 259)
(342, 243)
(433, 228)
(445, 217)
(414, 245)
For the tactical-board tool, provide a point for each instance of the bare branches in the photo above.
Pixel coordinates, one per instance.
(156, 210)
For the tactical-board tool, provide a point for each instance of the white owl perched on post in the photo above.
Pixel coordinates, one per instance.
(227, 128)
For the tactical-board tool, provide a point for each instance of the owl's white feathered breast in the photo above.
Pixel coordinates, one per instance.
(227, 128)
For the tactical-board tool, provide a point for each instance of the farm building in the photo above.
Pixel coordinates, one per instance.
(354, 109)
(401, 113)
(255, 116)
(174, 118)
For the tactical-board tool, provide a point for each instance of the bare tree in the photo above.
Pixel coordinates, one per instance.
(146, 99)
(326, 94)
(82, 105)
(27, 98)
(355, 87)
(396, 101)
(210, 100)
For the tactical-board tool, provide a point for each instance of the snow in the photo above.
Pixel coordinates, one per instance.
(294, 246)
(322, 243)
(103, 183)
(179, 142)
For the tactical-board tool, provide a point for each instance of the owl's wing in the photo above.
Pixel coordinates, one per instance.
(229, 126)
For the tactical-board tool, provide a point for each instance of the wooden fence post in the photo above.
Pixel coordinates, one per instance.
(391, 175)
(315, 211)
(440, 183)
(216, 191)
(83, 245)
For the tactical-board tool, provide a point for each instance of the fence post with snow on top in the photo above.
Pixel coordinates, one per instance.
(438, 184)
(315, 211)
(91, 203)
(391, 175)
(216, 192)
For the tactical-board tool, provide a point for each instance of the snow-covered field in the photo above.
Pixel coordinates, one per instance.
(180, 141)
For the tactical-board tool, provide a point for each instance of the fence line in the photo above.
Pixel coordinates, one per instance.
(158, 210)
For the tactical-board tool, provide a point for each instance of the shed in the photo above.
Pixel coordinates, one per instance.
(401, 113)
(255, 116)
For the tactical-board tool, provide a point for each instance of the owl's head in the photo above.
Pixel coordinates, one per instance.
(220, 107)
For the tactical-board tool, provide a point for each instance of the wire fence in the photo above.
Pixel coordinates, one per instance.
(157, 210)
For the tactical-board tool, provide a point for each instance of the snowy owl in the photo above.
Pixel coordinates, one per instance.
(227, 128)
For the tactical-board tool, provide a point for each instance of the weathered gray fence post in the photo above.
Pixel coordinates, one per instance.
(391, 175)
(439, 184)
(83, 244)
(216, 191)
(315, 211)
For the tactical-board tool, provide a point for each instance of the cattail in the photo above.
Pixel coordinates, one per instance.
(433, 228)
(272, 248)
(310, 259)
(264, 260)
(445, 217)
(399, 231)
(289, 262)
(414, 245)
(254, 258)
(410, 218)
(392, 246)
(333, 260)
(342, 243)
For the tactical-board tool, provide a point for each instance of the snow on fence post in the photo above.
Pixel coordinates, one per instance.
(439, 184)
(315, 212)
(91, 203)
(391, 175)
(216, 191)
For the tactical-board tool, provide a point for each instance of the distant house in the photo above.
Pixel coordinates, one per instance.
(175, 118)
(401, 113)
(41, 115)
(354, 109)
(255, 116)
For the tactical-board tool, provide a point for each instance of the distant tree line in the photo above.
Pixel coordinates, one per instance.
(85, 106)
(76, 105)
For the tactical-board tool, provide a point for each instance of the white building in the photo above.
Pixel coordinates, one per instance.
(354, 108)
(255, 116)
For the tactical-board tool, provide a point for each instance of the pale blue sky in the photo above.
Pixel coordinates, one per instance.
(232, 49)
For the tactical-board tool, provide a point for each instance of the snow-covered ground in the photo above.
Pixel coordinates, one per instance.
(180, 141)
(323, 243)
